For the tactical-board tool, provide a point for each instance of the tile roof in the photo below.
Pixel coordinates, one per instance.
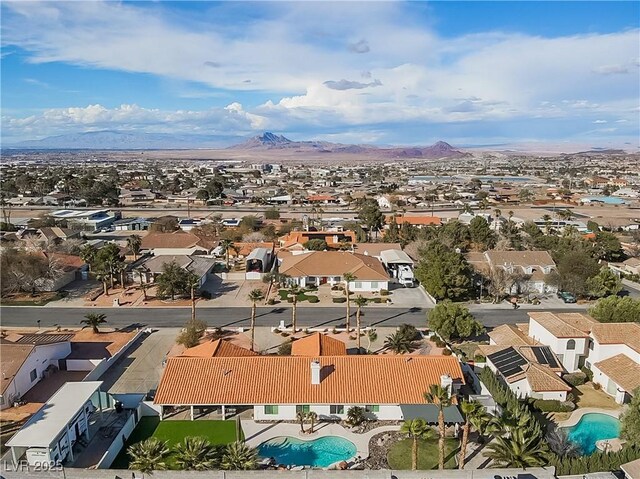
(217, 348)
(287, 380)
(39, 339)
(318, 344)
(374, 249)
(542, 378)
(564, 325)
(618, 333)
(177, 239)
(510, 335)
(520, 258)
(623, 370)
(416, 220)
(333, 263)
(13, 357)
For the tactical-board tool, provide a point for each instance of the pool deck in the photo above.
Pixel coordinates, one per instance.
(256, 433)
(578, 413)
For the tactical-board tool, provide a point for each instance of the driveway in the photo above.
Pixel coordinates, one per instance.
(140, 369)
(409, 297)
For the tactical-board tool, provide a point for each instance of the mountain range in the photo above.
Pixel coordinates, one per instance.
(120, 140)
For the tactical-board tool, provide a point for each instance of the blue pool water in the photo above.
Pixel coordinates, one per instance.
(608, 200)
(593, 427)
(321, 452)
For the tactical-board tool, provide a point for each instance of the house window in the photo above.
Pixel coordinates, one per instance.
(374, 285)
(357, 285)
(271, 409)
(336, 409)
(304, 408)
(33, 375)
(571, 344)
(590, 345)
(372, 408)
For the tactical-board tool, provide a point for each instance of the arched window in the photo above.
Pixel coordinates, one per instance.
(571, 344)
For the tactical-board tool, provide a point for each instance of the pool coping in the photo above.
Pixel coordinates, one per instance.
(578, 413)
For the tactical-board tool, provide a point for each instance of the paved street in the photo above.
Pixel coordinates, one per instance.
(229, 317)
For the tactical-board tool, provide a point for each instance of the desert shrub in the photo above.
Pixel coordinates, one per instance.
(446, 352)
(439, 343)
(587, 372)
(271, 301)
(597, 386)
(479, 358)
(553, 405)
(339, 300)
(285, 348)
(313, 299)
(384, 292)
(575, 379)
(409, 331)
(376, 300)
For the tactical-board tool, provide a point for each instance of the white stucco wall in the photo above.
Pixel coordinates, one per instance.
(288, 412)
(570, 357)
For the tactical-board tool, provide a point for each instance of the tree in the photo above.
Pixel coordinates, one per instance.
(134, 243)
(470, 410)
(481, 234)
(561, 445)
(519, 449)
(254, 296)
(500, 282)
(109, 259)
(301, 418)
(272, 213)
(441, 397)
(348, 278)
(608, 247)
(445, 274)
(399, 343)
(453, 321)
(193, 283)
(312, 417)
(164, 224)
(148, 455)
(88, 254)
(416, 429)
(195, 454)
(239, 457)
(370, 214)
(614, 309)
(356, 415)
(547, 223)
(360, 303)
(372, 335)
(525, 195)
(630, 420)
(316, 245)
(193, 331)
(22, 271)
(481, 422)
(226, 244)
(574, 268)
(292, 293)
(593, 226)
(93, 321)
(173, 280)
(605, 283)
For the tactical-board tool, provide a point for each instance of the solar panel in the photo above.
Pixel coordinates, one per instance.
(544, 355)
(508, 361)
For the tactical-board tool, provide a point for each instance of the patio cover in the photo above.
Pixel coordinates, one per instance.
(394, 256)
(52, 418)
(429, 412)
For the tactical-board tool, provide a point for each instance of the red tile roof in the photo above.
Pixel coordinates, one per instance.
(217, 348)
(318, 344)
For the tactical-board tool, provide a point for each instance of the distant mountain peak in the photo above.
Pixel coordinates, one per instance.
(266, 140)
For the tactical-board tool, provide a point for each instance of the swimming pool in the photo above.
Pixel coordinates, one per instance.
(608, 200)
(321, 452)
(591, 428)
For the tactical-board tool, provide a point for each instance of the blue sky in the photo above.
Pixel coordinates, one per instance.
(471, 73)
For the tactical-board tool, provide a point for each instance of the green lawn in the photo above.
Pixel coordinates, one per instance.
(217, 432)
(302, 296)
(399, 455)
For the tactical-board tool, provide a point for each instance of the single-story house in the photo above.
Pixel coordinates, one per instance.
(177, 243)
(277, 387)
(329, 267)
(153, 266)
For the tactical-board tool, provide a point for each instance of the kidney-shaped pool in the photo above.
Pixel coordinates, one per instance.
(321, 452)
(591, 428)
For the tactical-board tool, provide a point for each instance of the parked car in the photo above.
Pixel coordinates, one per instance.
(566, 297)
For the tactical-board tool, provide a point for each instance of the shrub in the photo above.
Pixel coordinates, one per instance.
(313, 299)
(285, 348)
(376, 300)
(204, 294)
(575, 379)
(553, 405)
(479, 358)
(271, 302)
(446, 352)
(339, 300)
(384, 292)
(409, 331)
(335, 288)
(587, 372)
(284, 334)
(439, 343)
(597, 386)
(356, 415)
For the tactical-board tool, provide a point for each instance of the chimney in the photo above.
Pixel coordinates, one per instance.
(446, 382)
(315, 372)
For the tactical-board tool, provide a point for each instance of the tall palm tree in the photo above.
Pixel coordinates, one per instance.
(195, 454)
(469, 409)
(416, 429)
(312, 417)
(372, 335)
(93, 320)
(148, 455)
(399, 343)
(481, 422)
(301, 418)
(360, 302)
(348, 278)
(103, 276)
(254, 296)
(88, 254)
(239, 457)
(519, 449)
(226, 246)
(293, 292)
(194, 283)
(441, 397)
(134, 244)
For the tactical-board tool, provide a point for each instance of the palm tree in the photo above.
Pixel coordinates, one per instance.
(441, 397)
(520, 449)
(93, 320)
(239, 457)
(301, 418)
(88, 254)
(497, 212)
(348, 278)
(293, 292)
(560, 444)
(134, 243)
(194, 282)
(254, 296)
(103, 276)
(372, 335)
(481, 421)
(547, 223)
(469, 409)
(226, 246)
(312, 417)
(399, 343)
(195, 454)
(416, 429)
(360, 302)
(148, 455)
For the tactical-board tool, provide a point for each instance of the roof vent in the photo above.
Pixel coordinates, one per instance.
(315, 372)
